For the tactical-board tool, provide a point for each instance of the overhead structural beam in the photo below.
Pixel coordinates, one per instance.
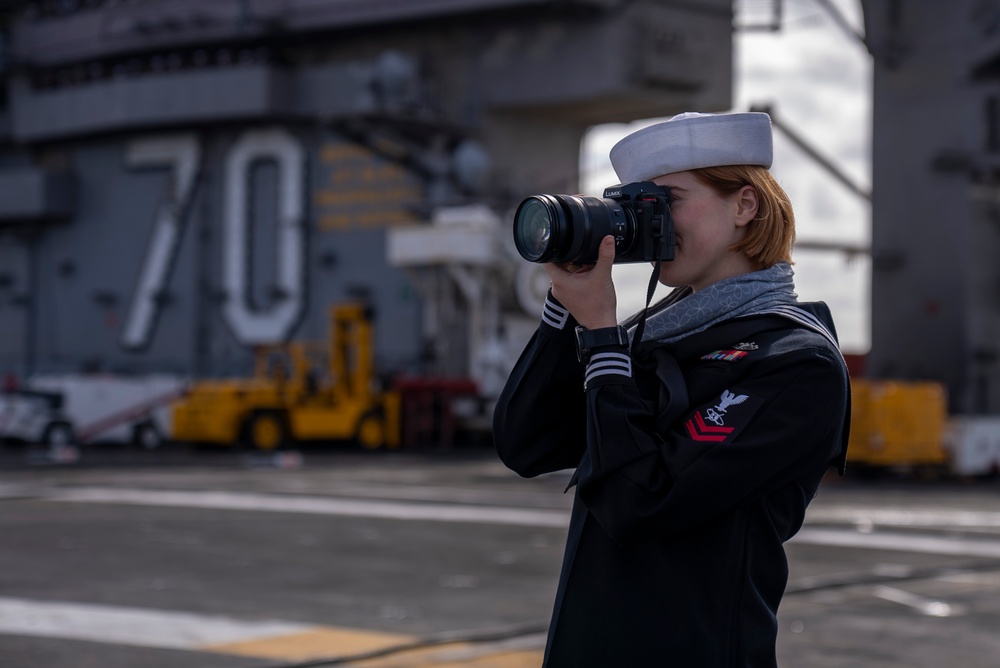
(772, 25)
(851, 250)
(841, 22)
(820, 159)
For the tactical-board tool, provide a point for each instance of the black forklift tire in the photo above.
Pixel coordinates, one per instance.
(371, 431)
(266, 431)
(59, 434)
(146, 435)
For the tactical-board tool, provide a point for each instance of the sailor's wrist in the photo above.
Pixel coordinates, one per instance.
(602, 339)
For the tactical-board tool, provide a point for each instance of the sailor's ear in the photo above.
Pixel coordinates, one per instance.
(747, 204)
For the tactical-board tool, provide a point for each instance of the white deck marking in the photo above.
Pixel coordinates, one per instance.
(133, 626)
(443, 512)
(320, 505)
(902, 542)
(926, 606)
(905, 517)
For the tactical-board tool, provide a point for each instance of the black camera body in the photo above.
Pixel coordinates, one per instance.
(569, 228)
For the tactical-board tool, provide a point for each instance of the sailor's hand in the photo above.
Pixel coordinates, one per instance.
(587, 290)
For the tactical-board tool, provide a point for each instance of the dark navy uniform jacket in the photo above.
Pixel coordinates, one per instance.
(695, 462)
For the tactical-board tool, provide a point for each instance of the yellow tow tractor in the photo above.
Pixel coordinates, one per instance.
(299, 392)
(898, 424)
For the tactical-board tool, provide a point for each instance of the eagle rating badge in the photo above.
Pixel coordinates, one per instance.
(721, 421)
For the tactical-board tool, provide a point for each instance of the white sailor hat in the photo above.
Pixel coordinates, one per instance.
(692, 141)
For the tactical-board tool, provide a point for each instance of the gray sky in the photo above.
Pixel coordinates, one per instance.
(818, 81)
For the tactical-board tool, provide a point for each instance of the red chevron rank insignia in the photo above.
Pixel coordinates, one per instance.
(721, 420)
(699, 431)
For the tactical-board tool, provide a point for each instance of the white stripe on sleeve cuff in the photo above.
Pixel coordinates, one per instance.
(554, 315)
(608, 364)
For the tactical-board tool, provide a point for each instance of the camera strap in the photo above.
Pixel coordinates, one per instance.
(640, 325)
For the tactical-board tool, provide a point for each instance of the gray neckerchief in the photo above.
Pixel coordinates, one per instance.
(683, 312)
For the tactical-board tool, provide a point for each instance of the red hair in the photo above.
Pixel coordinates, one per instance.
(771, 234)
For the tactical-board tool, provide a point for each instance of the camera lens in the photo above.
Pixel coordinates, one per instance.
(533, 229)
(568, 228)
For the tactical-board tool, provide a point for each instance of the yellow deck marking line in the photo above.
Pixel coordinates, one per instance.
(320, 643)
(344, 643)
(439, 659)
(466, 655)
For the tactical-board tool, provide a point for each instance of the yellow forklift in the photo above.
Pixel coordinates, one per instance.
(298, 393)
